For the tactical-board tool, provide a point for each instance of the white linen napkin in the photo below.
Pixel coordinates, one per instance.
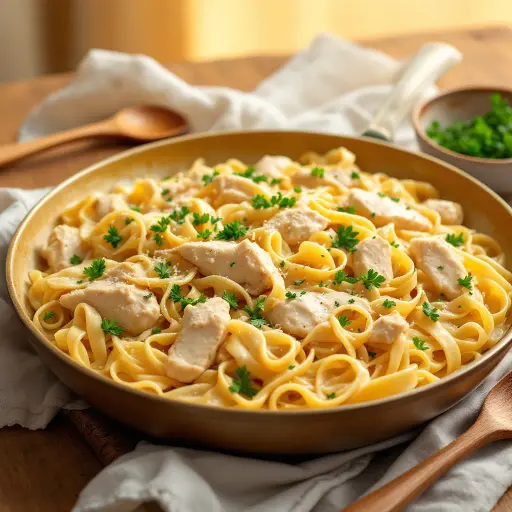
(333, 86)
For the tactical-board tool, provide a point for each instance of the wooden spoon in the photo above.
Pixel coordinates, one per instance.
(142, 123)
(493, 423)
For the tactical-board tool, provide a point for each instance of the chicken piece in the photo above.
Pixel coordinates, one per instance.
(451, 213)
(236, 189)
(124, 271)
(301, 315)
(440, 263)
(373, 253)
(387, 328)
(63, 243)
(383, 210)
(245, 263)
(297, 224)
(271, 166)
(128, 305)
(204, 330)
(109, 203)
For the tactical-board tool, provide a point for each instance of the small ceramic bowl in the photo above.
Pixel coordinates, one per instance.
(462, 105)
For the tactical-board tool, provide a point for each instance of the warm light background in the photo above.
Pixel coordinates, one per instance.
(44, 36)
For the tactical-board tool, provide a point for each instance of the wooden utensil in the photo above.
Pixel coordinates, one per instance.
(493, 423)
(142, 123)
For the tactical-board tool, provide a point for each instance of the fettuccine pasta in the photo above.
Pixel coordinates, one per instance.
(283, 285)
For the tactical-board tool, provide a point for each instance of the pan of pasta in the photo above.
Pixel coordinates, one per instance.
(269, 292)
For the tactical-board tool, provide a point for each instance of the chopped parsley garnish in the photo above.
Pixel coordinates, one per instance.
(276, 181)
(355, 175)
(290, 295)
(430, 311)
(255, 317)
(232, 264)
(351, 301)
(282, 264)
(372, 279)
(318, 172)
(394, 244)
(346, 238)
(230, 298)
(381, 194)
(80, 281)
(200, 219)
(372, 354)
(165, 191)
(420, 344)
(232, 231)
(161, 225)
(179, 215)
(113, 237)
(243, 383)
(162, 269)
(204, 234)
(389, 303)
(456, 241)
(157, 237)
(395, 199)
(331, 396)
(75, 259)
(95, 270)
(249, 174)
(298, 283)
(373, 214)
(128, 221)
(291, 367)
(348, 209)
(208, 178)
(440, 267)
(111, 327)
(341, 276)
(184, 301)
(156, 330)
(135, 209)
(214, 220)
(148, 296)
(466, 281)
(48, 315)
(165, 178)
(297, 189)
(259, 201)
(344, 321)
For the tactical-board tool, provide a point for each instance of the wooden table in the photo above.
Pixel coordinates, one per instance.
(44, 471)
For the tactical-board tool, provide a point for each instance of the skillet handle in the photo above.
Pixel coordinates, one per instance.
(422, 71)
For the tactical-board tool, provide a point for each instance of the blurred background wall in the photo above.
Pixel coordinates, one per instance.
(48, 36)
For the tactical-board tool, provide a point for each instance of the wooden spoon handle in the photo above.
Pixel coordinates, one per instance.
(398, 493)
(10, 153)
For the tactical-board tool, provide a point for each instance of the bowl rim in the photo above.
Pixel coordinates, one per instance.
(419, 110)
(382, 402)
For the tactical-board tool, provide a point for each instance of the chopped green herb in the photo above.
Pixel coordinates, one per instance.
(208, 178)
(259, 201)
(165, 191)
(298, 283)
(111, 327)
(276, 181)
(128, 221)
(48, 315)
(156, 330)
(373, 214)
(290, 295)
(430, 311)
(440, 267)
(80, 281)
(351, 301)
(341, 276)
(282, 264)
(232, 231)
(148, 296)
(95, 270)
(255, 317)
(161, 225)
(355, 175)
(243, 383)
(346, 238)
(113, 237)
(344, 321)
(184, 301)
(291, 367)
(420, 344)
(179, 215)
(466, 281)
(249, 174)
(331, 396)
(157, 237)
(135, 209)
(162, 269)
(318, 172)
(456, 241)
(372, 354)
(204, 234)
(200, 219)
(233, 263)
(395, 199)
(230, 298)
(348, 209)
(394, 244)
(75, 260)
(214, 220)
(297, 189)
(372, 279)
(389, 303)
